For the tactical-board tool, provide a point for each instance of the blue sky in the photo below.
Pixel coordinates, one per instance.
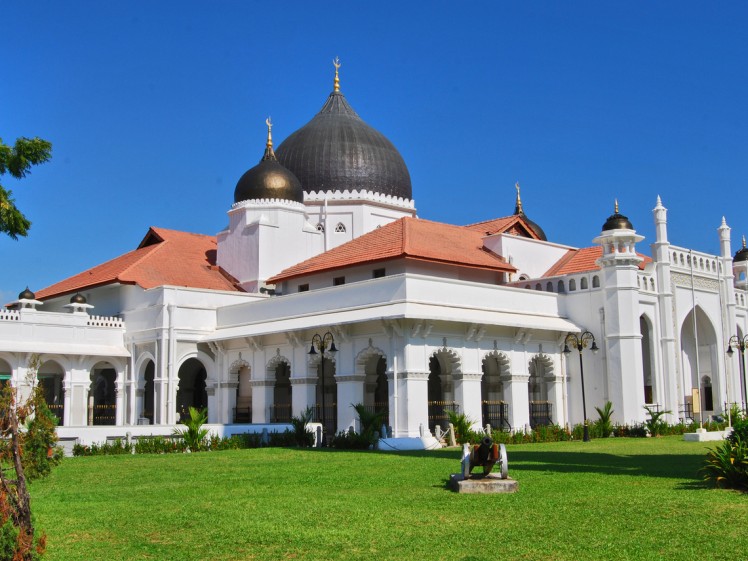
(155, 109)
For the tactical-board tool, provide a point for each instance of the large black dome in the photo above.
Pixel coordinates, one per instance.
(268, 180)
(336, 151)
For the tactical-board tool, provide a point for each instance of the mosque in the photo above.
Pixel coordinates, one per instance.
(327, 290)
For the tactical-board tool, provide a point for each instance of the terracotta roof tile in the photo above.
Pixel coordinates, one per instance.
(164, 257)
(583, 260)
(407, 237)
(514, 224)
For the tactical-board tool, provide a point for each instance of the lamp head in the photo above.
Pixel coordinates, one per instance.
(730, 352)
(312, 350)
(567, 350)
(594, 348)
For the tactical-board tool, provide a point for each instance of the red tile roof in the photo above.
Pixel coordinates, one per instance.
(164, 257)
(410, 238)
(583, 260)
(514, 224)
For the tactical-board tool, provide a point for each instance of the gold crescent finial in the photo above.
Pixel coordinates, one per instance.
(269, 123)
(616, 209)
(336, 64)
(518, 206)
(743, 241)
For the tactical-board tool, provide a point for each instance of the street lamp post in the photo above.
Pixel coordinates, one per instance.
(741, 344)
(324, 343)
(580, 342)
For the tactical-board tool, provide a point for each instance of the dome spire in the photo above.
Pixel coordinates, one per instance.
(616, 207)
(269, 154)
(744, 241)
(518, 205)
(336, 64)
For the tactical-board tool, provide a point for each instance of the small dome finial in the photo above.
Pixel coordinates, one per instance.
(616, 209)
(743, 241)
(518, 205)
(336, 64)
(269, 154)
(269, 123)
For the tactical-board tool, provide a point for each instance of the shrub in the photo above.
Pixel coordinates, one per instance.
(739, 432)
(159, 445)
(351, 440)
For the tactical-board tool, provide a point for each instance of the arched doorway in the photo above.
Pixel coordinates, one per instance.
(645, 327)
(698, 331)
(191, 391)
(494, 408)
(441, 389)
(51, 377)
(243, 409)
(541, 408)
(149, 392)
(280, 410)
(372, 364)
(102, 398)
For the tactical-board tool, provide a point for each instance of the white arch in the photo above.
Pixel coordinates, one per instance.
(363, 357)
(452, 360)
(502, 360)
(141, 364)
(273, 364)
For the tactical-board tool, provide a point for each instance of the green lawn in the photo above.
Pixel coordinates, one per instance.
(611, 499)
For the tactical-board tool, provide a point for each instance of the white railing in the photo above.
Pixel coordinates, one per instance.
(105, 321)
(9, 315)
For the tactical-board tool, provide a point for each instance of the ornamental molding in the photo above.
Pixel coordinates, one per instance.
(268, 203)
(679, 279)
(355, 196)
(350, 378)
(303, 381)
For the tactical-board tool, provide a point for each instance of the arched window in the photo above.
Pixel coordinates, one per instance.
(340, 228)
(595, 282)
(549, 287)
(561, 288)
(572, 285)
(538, 287)
(583, 284)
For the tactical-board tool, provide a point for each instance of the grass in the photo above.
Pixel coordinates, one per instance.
(607, 499)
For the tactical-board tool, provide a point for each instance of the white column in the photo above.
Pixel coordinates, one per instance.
(517, 394)
(303, 394)
(350, 392)
(467, 392)
(413, 398)
(262, 399)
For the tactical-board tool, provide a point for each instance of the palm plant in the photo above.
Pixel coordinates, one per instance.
(194, 434)
(370, 421)
(605, 421)
(654, 423)
(463, 427)
(727, 465)
(301, 435)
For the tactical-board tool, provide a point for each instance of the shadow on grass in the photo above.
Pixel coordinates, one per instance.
(674, 466)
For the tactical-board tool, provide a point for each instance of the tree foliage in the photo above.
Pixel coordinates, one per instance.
(17, 161)
(194, 435)
(27, 452)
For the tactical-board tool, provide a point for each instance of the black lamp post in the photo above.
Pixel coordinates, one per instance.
(324, 343)
(741, 344)
(580, 342)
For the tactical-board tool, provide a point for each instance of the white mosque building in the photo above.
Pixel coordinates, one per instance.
(323, 239)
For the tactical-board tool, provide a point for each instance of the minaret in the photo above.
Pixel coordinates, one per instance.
(667, 387)
(727, 286)
(620, 266)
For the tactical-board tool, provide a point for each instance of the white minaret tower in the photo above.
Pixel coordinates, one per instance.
(620, 265)
(667, 390)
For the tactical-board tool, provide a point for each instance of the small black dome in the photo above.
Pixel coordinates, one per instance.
(518, 211)
(78, 298)
(617, 221)
(268, 180)
(337, 150)
(741, 254)
(27, 295)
